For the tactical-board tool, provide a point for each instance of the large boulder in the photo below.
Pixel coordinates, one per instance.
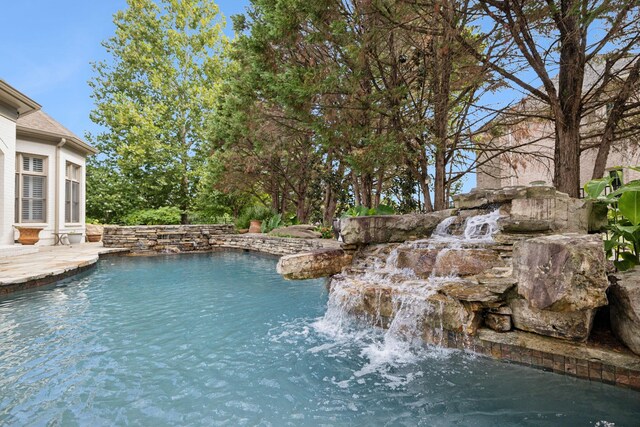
(366, 230)
(624, 308)
(562, 273)
(426, 262)
(574, 325)
(544, 211)
(314, 264)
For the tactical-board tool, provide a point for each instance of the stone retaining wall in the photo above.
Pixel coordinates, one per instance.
(270, 244)
(150, 239)
(142, 239)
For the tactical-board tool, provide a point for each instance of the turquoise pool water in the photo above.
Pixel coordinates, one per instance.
(221, 339)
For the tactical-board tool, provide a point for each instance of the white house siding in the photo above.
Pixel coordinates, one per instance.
(7, 173)
(48, 150)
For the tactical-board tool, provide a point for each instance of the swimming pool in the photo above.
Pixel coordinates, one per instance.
(221, 339)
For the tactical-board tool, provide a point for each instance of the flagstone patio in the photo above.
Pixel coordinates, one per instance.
(49, 264)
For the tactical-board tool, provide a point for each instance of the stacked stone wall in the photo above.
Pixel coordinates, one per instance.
(150, 239)
(270, 244)
(142, 239)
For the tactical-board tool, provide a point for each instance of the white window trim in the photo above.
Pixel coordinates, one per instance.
(20, 173)
(77, 180)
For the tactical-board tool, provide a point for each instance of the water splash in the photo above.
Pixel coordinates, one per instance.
(377, 284)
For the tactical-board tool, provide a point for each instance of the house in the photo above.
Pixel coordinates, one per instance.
(42, 171)
(526, 144)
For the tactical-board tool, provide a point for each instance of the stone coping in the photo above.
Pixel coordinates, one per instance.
(581, 360)
(49, 264)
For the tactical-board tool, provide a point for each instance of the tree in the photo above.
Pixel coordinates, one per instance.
(545, 49)
(155, 94)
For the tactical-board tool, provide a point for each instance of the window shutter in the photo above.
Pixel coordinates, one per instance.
(75, 186)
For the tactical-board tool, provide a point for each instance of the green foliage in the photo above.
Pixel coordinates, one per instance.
(153, 98)
(272, 223)
(325, 231)
(365, 211)
(623, 237)
(167, 215)
(109, 196)
(257, 212)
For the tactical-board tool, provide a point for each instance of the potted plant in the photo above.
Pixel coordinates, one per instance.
(255, 226)
(29, 235)
(94, 232)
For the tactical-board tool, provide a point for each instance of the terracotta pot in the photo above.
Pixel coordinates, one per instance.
(255, 226)
(29, 235)
(94, 237)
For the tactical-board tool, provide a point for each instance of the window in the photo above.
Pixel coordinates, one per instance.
(72, 193)
(31, 188)
(616, 175)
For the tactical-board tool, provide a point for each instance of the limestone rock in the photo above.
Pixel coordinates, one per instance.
(624, 308)
(547, 212)
(314, 264)
(390, 228)
(448, 314)
(445, 262)
(471, 291)
(302, 231)
(561, 273)
(498, 322)
(575, 325)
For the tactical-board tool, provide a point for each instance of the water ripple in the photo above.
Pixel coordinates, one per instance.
(220, 339)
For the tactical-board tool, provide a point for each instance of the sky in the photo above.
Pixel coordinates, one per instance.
(46, 50)
(47, 47)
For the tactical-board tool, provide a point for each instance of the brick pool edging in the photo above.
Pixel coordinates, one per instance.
(561, 357)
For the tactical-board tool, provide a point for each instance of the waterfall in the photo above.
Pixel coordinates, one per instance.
(376, 291)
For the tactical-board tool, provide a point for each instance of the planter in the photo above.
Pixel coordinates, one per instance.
(74, 238)
(255, 226)
(29, 235)
(94, 237)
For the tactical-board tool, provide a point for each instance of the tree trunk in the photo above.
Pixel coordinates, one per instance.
(184, 179)
(569, 111)
(440, 202)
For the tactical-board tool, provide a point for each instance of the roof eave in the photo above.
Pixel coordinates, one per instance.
(17, 99)
(54, 137)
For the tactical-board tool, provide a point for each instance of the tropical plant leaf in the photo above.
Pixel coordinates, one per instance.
(595, 187)
(628, 256)
(629, 206)
(624, 264)
(628, 187)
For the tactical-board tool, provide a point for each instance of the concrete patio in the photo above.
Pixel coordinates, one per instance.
(49, 264)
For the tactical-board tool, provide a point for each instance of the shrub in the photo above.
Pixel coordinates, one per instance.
(258, 212)
(365, 211)
(167, 215)
(271, 223)
(326, 231)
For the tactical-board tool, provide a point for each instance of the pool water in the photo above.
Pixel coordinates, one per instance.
(221, 339)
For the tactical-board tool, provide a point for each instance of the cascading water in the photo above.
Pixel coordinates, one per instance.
(380, 291)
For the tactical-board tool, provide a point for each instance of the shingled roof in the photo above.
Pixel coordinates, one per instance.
(40, 124)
